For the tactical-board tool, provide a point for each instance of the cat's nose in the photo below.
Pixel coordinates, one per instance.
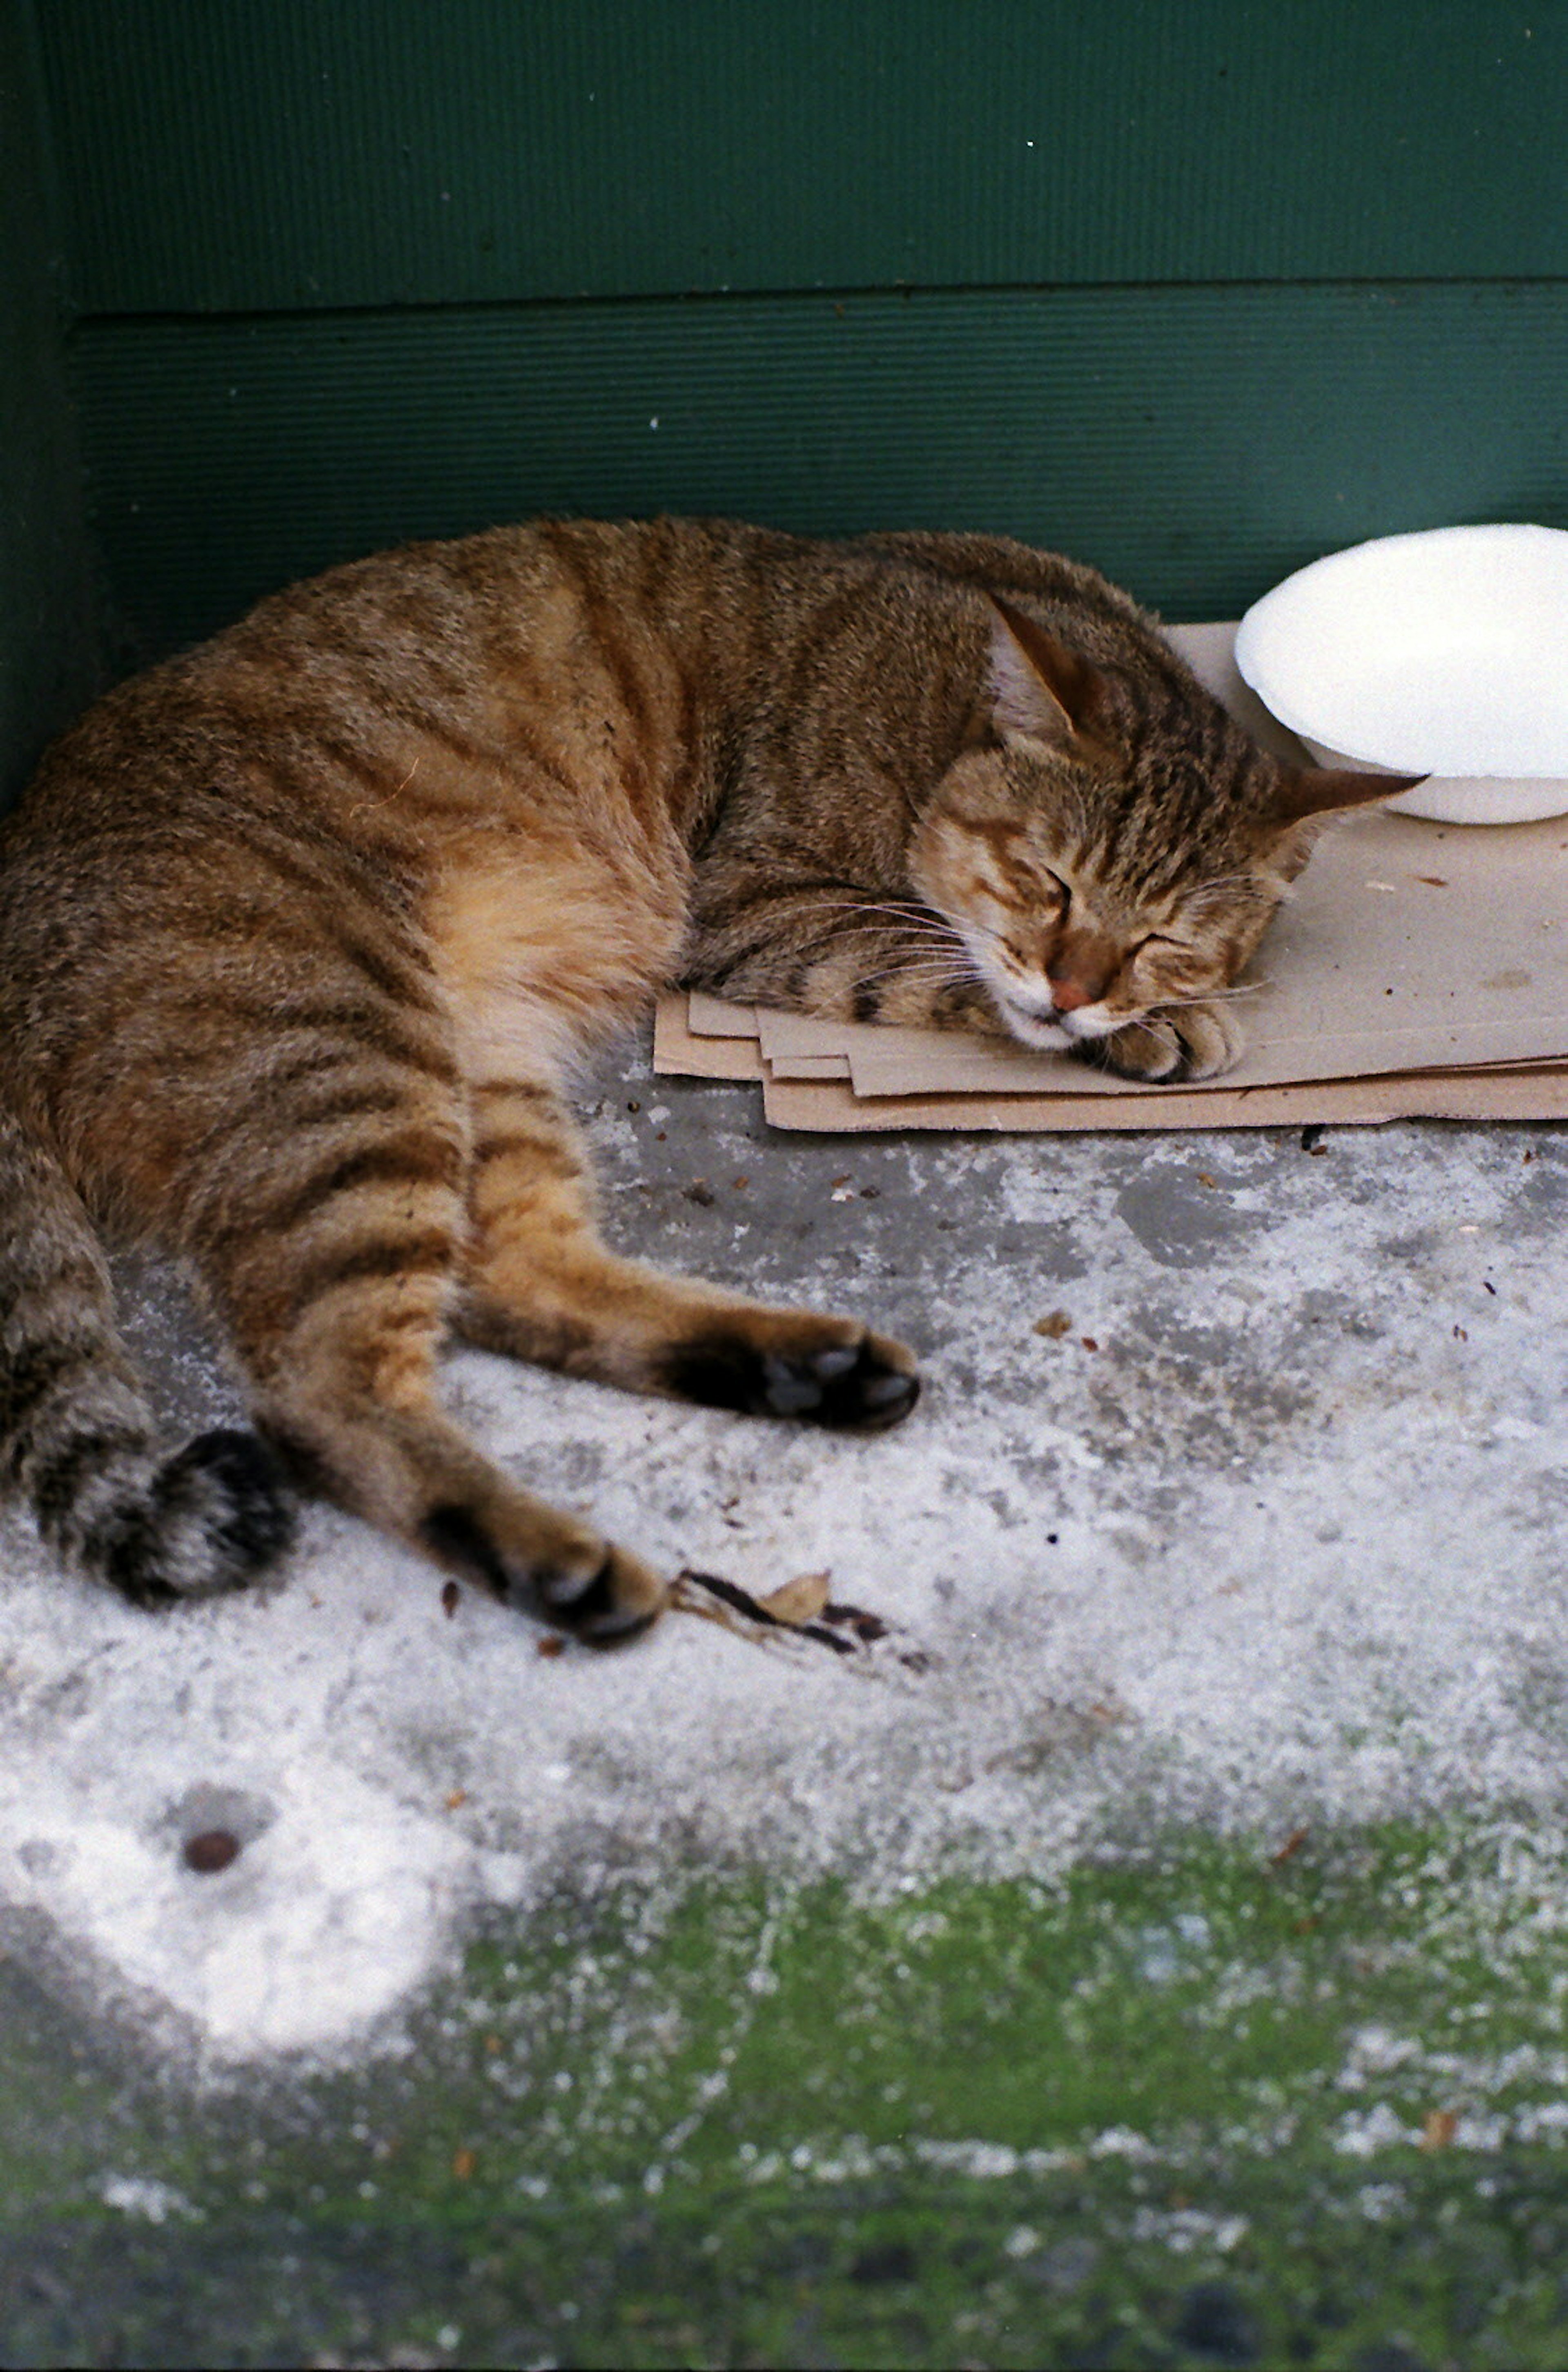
(1066, 995)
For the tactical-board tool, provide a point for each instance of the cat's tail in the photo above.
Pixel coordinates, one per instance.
(77, 1437)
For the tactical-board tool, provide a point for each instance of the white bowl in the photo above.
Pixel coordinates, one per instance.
(1444, 653)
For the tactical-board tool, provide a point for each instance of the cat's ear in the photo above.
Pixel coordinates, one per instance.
(1307, 791)
(1038, 686)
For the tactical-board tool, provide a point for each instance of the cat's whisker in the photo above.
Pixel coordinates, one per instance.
(1224, 890)
(935, 975)
(932, 951)
(826, 947)
(1206, 996)
(914, 919)
(909, 909)
(934, 981)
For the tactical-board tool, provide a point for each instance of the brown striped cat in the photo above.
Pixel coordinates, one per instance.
(301, 933)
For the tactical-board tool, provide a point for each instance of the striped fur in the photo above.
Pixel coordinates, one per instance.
(301, 933)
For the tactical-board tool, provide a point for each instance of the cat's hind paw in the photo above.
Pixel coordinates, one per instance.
(1189, 1042)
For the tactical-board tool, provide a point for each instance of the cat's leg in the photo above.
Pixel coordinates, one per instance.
(829, 948)
(335, 1283)
(1169, 1046)
(542, 1286)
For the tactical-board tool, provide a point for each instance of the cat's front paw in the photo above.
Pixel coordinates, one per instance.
(795, 1364)
(547, 1565)
(1191, 1042)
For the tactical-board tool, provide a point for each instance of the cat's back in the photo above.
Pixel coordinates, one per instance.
(391, 756)
(601, 650)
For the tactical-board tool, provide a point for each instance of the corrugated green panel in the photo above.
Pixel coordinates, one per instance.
(1196, 443)
(47, 644)
(263, 154)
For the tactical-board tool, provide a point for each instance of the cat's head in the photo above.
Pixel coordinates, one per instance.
(1111, 841)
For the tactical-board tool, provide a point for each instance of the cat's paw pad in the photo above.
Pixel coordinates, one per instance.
(871, 1382)
(1193, 1041)
(867, 1381)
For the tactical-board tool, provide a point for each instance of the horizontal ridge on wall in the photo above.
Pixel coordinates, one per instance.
(1195, 443)
(269, 154)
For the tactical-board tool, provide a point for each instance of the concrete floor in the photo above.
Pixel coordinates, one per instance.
(1227, 1538)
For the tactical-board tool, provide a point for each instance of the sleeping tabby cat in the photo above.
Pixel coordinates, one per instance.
(301, 933)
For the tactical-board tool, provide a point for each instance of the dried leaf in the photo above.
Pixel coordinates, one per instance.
(798, 1612)
(1054, 1326)
(1438, 2128)
(798, 1602)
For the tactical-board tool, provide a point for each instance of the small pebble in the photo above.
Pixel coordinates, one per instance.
(212, 1849)
(450, 1595)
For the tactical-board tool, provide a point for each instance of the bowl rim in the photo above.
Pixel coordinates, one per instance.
(1258, 618)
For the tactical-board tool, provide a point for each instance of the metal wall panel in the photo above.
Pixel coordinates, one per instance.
(260, 154)
(1195, 443)
(1195, 292)
(48, 642)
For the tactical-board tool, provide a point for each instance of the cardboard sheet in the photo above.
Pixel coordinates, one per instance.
(1420, 969)
(1340, 1104)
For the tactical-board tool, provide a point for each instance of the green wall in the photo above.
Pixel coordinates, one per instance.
(48, 658)
(1196, 291)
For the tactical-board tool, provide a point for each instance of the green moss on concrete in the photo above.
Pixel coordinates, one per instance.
(1200, 2103)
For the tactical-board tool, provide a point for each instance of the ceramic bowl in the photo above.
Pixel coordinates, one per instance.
(1444, 652)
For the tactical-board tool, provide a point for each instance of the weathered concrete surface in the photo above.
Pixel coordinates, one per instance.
(1256, 1549)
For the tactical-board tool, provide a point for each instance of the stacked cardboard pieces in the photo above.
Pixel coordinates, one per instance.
(1420, 970)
